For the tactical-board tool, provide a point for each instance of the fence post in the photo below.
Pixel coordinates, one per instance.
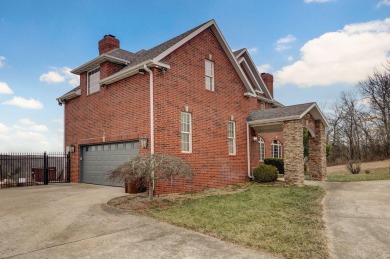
(45, 169)
(68, 167)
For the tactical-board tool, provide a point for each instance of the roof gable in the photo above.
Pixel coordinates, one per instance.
(244, 58)
(152, 58)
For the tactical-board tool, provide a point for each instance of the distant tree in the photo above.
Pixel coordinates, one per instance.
(150, 167)
(376, 90)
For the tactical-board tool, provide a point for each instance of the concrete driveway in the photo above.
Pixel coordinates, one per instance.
(357, 217)
(73, 221)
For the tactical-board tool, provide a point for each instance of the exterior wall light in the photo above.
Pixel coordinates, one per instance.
(255, 138)
(144, 142)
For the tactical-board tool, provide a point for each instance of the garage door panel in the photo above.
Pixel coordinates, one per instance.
(99, 160)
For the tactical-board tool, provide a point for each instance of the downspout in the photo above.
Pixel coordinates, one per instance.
(151, 109)
(151, 117)
(248, 151)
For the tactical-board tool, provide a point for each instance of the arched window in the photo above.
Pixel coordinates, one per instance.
(262, 149)
(276, 149)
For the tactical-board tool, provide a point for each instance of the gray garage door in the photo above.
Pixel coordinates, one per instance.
(97, 160)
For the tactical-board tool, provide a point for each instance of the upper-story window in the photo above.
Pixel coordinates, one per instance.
(93, 81)
(263, 105)
(276, 149)
(232, 137)
(186, 132)
(209, 75)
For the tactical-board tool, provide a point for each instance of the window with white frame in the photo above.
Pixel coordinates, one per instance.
(209, 75)
(232, 137)
(262, 149)
(263, 105)
(276, 148)
(93, 81)
(186, 133)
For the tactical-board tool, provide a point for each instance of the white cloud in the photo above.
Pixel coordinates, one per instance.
(52, 77)
(290, 58)
(252, 50)
(26, 122)
(31, 125)
(28, 136)
(317, 1)
(2, 63)
(263, 68)
(345, 56)
(285, 42)
(3, 128)
(60, 75)
(5, 89)
(383, 3)
(39, 128)
(24, 103)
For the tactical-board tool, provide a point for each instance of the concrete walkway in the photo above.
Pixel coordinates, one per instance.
(357, 217)
(72, 221)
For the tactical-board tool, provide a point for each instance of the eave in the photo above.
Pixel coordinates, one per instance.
(69, 95)
(94, 63)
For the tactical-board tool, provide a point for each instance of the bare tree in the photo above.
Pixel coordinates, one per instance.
(150, 167)
(376, 89)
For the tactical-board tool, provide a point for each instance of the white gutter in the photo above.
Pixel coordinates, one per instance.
(248, 151)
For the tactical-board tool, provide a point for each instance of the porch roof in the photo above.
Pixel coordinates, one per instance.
(271, 120)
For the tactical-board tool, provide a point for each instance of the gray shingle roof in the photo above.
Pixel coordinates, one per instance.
(280, 112)
(122, 54)
(143, 55)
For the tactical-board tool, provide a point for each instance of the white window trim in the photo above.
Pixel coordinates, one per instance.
(263, 105)
(212, 88)
(88, 88)
(279, 145)
(189, 134)
(232, 138)
(261, 143)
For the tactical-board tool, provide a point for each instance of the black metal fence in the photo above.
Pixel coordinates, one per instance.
(26, 169)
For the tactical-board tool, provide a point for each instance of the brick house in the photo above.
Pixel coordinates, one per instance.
(192, 97)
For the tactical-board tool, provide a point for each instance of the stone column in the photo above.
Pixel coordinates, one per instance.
(293, 152)
(317, 147)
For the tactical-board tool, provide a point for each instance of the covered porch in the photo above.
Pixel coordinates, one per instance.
(291, 121)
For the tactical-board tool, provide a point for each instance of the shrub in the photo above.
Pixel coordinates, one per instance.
(353, 167)
(277, 162)
(265, 173)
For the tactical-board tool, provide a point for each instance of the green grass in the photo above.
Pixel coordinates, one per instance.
(285, 221)
(374, 174)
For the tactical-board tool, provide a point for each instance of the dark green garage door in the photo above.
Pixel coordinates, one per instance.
(98, 160)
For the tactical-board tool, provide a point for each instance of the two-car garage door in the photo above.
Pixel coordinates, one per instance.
(98, 160)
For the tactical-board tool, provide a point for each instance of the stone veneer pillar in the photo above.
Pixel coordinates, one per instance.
(293, 152)
(317, 149)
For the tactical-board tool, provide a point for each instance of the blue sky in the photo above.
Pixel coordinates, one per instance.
(314, 48)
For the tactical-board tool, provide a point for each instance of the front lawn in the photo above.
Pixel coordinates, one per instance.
(284, 221)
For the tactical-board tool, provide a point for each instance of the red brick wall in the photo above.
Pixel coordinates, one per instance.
(121, 112)
(107, 68)
(184, 84)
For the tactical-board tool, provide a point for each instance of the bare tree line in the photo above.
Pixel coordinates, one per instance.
(359, 124)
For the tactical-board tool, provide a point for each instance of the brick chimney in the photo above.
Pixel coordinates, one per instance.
(269, 82)
(109, 42)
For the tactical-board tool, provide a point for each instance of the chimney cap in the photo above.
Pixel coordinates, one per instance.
(109, 35)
